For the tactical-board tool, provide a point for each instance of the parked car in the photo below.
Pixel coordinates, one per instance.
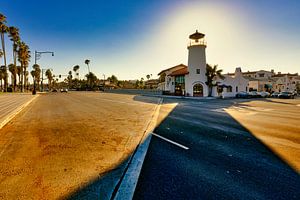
(242, 95)
(286, 95)
(254, 94)
(275, 94)
(64, 90)
(9, 89)
(264, 94)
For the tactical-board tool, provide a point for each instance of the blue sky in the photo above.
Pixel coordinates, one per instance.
(133, 38)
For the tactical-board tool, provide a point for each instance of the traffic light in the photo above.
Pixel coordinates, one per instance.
(59, 76)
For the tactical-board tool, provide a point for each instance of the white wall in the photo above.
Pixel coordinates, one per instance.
(237, 82)
(196, 60)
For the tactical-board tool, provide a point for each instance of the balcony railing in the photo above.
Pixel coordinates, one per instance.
(197, 43)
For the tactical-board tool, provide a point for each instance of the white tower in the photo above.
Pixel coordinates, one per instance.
(196, 78)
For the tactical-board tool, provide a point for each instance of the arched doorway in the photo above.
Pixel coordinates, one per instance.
(198, 90)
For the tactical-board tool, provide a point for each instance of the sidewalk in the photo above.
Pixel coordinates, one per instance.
(12, 104)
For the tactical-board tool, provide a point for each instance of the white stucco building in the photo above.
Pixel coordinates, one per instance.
(270, 81)
(191, 80)
(232, 84)
(285, 82)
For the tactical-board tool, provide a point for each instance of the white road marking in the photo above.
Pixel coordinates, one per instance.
(220, 110)
(172, 142)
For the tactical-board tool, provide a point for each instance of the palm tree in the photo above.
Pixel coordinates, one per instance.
(36, 74)
(15, 38)
(3, 30)
(50, 77)
(69, 78)
(26, 79)
(3, 75)
(13, 70)
(24, 58)
(148, 76)
(114, 79)
(34, 81)
(211, 73)
(87, 62)
(91, 79)
(75, 69)
(19, 72)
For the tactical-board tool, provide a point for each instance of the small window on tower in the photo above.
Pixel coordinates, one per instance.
(198, 71)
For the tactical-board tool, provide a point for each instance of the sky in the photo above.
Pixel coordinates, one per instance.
(131, 39)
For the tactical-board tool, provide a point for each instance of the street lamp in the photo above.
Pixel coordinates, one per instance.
(37, 56)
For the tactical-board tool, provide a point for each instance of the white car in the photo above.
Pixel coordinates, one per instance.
(64, 90)
(264, 94)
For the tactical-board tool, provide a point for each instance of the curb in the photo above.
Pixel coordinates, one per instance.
(15, 112)
(128, 182)
(182, 97)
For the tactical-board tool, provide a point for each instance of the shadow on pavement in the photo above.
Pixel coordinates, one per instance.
(101, 187)
(224, 160)
(106, 185)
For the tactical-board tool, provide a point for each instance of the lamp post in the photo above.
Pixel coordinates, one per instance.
(37, 56)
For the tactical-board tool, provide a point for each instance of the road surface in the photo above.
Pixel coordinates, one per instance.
(63, 143)
(224, 149)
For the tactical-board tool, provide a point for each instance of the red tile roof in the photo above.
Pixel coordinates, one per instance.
(180, 66)
(179, 72)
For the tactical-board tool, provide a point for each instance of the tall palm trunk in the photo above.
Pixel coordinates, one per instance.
(19, 85)
(15, 82)
(4, 57)
(15, 63)
(210, 88)
(25, 78)
(22, 77)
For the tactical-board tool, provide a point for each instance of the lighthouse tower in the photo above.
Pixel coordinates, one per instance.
(196, 78)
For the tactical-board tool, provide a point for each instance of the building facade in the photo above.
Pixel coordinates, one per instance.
(191, 80)
(269, 81)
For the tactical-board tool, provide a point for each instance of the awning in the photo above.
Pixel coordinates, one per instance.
(268, 86)
(224, 86)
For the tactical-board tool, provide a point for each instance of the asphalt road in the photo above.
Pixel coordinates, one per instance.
(71, 145)
(224, 149)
